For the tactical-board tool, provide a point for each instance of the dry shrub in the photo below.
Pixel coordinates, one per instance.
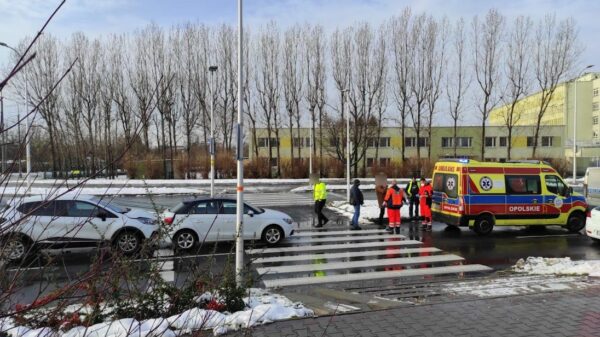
(561, 165)
(257, 168)
(418, 168)
(332, 168)
(393, 170)
(296, 169)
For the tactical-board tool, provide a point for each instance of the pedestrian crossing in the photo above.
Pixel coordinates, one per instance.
(318, 257)
(277, 199)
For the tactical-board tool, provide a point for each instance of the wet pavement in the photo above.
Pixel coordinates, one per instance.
(499, 250)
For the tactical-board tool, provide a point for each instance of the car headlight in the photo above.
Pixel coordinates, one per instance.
(147, 221)
(288, 220)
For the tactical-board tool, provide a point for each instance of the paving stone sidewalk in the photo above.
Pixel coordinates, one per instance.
(569, 313)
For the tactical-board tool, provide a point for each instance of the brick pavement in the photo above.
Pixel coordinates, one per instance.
(569, 313)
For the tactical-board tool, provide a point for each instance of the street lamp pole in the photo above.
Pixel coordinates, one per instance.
(3, 134)
(239, 242)
(212, 144)
(575, 124)
(347, 147)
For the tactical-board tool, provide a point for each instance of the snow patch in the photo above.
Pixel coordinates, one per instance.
(557, 266)
(369, 211)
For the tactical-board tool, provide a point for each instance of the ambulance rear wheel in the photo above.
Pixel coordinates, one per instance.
(576, 222)
(484, 225)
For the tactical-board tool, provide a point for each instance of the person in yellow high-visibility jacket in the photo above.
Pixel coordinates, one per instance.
(320, 196)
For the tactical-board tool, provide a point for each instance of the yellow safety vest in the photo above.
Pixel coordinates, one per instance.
(320, 192)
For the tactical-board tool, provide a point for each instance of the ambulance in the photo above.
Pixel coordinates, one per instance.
(482, 195)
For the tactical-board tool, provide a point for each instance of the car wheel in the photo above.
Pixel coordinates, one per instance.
(128, 242)
(16, 247)
(483, 225)
(272, 235)
(185, 240)
(575, 223)
(596, 241)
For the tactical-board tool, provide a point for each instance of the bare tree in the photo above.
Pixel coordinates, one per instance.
(518, 78)
(267, 85)
(403, 63)
(293, 79)
(141, 82)
(314, 63)
(341, 67)
(487, 49)
(227, 81)
(436, 65)
(457, 80)
(556, 51)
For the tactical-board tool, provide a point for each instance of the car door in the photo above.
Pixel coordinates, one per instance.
(89, 222)
(524, 197)
(202, 218)
(48, 221)
(554, 196)
(228, 222)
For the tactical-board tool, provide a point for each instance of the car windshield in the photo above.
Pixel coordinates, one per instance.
(112, 207)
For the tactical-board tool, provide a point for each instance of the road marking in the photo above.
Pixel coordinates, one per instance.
(346, 255)
(546, 236)
(344, 239)
(302, 233)
(403, 261)
(285, 282)
(335, 247)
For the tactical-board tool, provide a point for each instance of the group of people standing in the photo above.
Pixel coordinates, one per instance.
(417, 195)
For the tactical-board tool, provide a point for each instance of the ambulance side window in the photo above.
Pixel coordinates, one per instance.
(555, 185)
(523, 184)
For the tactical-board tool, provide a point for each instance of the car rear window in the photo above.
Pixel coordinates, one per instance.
(446, 183)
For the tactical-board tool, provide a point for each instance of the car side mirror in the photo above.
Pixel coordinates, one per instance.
(102, 215)
(250, 213)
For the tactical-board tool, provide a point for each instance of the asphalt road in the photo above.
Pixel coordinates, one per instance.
(499, 250)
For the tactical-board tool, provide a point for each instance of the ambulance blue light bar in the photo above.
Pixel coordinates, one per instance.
(464, 161)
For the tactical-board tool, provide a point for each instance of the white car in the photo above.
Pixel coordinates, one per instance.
(74, 221)
(211, 220)
(592, 225)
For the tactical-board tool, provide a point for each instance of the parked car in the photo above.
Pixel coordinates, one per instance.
(211, 220)
(592, 226)
(72, 221)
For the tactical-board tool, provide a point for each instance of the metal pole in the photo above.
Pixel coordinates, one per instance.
(310, 150)
(19, 142)
(212, 134)
(28, 131)
(239, 242)
(3, 134)
(347, 150)
(575, 136)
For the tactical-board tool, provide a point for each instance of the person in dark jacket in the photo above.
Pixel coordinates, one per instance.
(412, 192)
(356, 200)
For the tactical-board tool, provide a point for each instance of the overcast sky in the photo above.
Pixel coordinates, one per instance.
(98, 17)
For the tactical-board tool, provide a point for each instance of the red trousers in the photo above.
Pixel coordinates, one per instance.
(394, 217)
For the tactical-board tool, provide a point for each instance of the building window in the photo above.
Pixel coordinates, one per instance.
(546, 141)
(383, 142)
(333, 142)
(595, 106)
(530, 142)
(595, 120)
(273, 162)
(370, 162)
(595, 92)
(412, 141)
(264, 142)
(595, 135)
(503, 141)
(490, 141)
(463, 142)
(298, 142)
(384, 162)
(447, 141)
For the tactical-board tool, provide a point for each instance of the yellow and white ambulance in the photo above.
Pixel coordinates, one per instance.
(482, 195)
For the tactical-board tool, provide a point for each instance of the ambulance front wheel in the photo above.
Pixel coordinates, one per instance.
(484, 225)
(576, 222)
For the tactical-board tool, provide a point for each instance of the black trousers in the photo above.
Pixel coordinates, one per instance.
(381, 213)
(414, 203)
(319, 205)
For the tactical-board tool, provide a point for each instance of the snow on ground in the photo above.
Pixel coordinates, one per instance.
(557, 266)
(262, 307)
(368, 212)
(368, 187)
(104, 190)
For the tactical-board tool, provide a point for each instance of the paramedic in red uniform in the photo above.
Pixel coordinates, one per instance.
(393, 200)
(425, 196)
